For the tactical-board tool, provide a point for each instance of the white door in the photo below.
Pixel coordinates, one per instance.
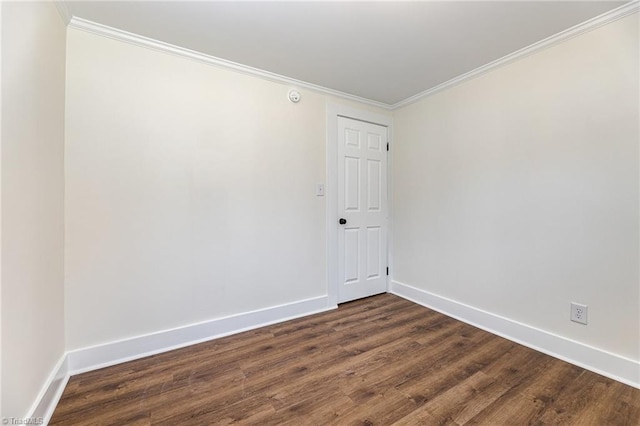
(362, 209)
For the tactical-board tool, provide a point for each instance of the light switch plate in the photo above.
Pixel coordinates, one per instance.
(320, 189)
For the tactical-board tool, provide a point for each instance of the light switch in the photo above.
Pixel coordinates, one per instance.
(320, 189)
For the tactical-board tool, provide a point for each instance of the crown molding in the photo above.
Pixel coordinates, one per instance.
(63, 10)
(127, 37)
(138, 40)
(591, 24)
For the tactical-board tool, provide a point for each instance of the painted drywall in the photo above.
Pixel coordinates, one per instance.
(190, 192)
(33, 82)
(517, 192)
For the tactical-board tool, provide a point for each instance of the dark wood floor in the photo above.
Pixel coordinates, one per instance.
(376, 361)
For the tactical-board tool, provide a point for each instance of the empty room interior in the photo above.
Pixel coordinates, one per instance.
(365, 213)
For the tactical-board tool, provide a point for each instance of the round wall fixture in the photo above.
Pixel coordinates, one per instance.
(294, 96)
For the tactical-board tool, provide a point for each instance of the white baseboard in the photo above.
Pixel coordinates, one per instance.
(107, 354)
(51, 392)
(92, 358)
(614, 366)
(112, 353)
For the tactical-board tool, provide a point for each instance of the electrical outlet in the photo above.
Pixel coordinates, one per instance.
(579, 313)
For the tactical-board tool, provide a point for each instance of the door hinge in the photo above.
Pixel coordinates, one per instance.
(387, 270)
(387, 146)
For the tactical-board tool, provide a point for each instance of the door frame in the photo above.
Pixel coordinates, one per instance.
(333, 112)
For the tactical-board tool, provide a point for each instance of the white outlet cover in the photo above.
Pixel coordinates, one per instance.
(579, 313)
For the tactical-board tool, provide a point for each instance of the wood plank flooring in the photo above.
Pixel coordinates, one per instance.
(376, 361)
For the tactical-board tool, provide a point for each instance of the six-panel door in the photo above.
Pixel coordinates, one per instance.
(362, 201)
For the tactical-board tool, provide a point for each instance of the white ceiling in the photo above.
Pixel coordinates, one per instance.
(382, 51)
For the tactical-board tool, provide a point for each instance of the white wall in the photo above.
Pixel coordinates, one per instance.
(189, 192)
(517, 192)
(33, 72)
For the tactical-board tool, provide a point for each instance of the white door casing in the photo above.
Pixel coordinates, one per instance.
(362, 203)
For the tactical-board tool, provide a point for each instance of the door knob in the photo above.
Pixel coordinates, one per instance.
(342, 221)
